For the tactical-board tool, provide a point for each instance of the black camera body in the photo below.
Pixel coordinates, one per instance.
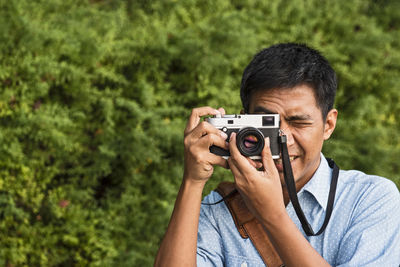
(250, 129)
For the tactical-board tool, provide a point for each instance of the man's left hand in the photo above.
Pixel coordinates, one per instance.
(261, 190)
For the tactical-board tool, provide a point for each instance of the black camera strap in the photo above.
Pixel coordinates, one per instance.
(291, 187)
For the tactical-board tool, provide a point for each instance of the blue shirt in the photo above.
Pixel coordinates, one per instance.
(364, 229)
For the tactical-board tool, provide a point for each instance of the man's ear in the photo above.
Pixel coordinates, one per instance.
(330, 123)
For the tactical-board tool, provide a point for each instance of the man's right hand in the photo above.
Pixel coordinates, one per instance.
(199, 136)
(199, 161)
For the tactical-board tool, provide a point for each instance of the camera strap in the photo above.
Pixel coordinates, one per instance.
(291, 187)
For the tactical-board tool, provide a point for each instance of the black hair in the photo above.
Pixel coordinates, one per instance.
(284, 66)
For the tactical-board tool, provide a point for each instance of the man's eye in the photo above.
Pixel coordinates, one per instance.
(300, 123)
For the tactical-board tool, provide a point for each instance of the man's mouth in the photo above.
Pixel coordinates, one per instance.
(279, 163)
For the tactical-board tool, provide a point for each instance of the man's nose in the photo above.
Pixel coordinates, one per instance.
(285, 128)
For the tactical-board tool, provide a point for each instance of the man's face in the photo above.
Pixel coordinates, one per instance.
(301, 122)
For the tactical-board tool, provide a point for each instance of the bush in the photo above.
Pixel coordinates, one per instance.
(95, 96)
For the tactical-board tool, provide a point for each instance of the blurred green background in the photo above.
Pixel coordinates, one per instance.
(95, 96)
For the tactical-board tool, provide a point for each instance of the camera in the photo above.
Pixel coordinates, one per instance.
(250, 129)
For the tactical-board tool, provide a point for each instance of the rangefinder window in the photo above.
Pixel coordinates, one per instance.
(268, 121)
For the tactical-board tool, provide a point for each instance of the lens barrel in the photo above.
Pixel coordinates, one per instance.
(250, 141)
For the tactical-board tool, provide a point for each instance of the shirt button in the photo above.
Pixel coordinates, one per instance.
(244, 264)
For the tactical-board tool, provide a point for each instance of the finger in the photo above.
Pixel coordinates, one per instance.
(235, 170)
(196, 115)
(218, 160)
(255, 164)
(266, 157)
(222, 111)
(212, 139)
(205, 128)
(239, 160)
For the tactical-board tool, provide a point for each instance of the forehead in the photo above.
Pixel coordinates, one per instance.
(299, 99)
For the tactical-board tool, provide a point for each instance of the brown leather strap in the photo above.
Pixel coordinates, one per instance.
(248, 226)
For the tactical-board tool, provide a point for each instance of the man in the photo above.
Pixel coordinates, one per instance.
(299, 84)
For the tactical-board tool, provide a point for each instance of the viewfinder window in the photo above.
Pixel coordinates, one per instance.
(268, 121)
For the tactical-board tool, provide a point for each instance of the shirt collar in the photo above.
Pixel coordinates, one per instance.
(319, 184)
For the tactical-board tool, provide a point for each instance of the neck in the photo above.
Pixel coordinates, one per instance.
(299, 183)
(299, 186)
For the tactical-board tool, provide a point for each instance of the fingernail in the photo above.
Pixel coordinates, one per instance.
(217, 113)
(223, 135)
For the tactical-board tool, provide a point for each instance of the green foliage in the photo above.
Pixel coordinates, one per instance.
(94, 97)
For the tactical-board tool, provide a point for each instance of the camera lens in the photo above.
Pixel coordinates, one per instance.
(250, 141)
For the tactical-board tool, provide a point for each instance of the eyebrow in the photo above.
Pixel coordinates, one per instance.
(299, 118)
(302, 117)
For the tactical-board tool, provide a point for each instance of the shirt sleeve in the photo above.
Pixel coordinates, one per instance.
(209, 247)
(373, 236)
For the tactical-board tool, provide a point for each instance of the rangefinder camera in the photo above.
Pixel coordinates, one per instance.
(250, 129)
